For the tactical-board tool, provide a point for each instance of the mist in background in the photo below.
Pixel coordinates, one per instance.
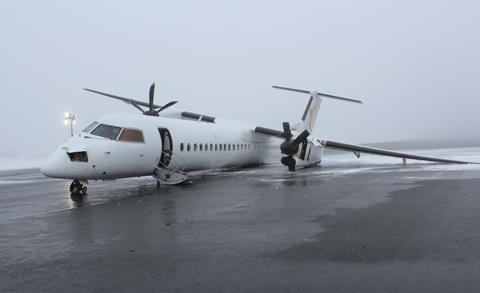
(415, 65)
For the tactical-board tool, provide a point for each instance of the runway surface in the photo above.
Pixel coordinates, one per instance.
(371, 225)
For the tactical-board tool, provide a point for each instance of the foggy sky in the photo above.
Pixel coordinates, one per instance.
(415, 65)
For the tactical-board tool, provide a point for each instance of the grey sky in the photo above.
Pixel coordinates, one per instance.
(414, 64)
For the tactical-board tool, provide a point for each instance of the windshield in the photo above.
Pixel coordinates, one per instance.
(131, 135)
(90, 127)
(106, 131)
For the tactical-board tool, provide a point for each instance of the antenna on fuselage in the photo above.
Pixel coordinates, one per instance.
(152, 109)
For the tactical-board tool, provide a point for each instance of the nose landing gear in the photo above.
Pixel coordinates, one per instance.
(77, 188)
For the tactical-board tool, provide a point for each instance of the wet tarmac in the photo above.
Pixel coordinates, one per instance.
(341, 228)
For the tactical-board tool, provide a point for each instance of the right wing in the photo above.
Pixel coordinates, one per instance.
(369, 150)
(123, 99)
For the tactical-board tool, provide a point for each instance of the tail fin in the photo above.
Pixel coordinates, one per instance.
(310, 115)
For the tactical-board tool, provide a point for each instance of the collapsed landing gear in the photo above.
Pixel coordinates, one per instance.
(290, 162)
(77, 188)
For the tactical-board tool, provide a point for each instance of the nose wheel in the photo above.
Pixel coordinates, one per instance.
(77, 188)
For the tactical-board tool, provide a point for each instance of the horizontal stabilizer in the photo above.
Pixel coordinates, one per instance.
(316, 93)
(376, 151)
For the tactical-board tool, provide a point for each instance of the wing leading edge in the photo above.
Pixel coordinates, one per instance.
(369, 150)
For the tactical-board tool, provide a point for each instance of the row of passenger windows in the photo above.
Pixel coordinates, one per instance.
(225, 147)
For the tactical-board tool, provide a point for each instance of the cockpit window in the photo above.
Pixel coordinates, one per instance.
(131, 135)
(106, 131)
(90, 127)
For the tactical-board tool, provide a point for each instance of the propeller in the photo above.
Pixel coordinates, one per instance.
(152, 109)
(290, 147)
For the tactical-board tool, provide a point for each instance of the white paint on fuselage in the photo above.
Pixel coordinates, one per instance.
(110, 159)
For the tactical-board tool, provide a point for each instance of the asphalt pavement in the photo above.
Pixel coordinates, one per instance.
(338, 228)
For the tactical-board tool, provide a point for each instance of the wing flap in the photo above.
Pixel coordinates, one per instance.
(369, 150)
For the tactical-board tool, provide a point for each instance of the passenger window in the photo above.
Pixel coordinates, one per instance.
(201, 147)
(106, 131)
(194, 147)
(131, 135)
(229, 146)
(206, 147)
(211, 147)
(188, 147)
(216, 146)
(220, 147)
(181, 147)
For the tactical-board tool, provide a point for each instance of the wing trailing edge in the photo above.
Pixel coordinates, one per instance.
(375, 151)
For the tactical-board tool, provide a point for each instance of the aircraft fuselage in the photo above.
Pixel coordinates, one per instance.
(179, 144)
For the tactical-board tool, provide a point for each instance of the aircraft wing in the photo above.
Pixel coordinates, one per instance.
(369, 150)
(123, 99)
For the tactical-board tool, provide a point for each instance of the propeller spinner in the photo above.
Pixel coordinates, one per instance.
(152, 109)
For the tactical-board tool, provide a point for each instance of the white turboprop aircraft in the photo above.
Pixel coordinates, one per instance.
(169, 145)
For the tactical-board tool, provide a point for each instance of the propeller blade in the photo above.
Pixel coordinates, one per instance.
(286, 130)
(151, 96)
(268, 131)
(301, 137)
(169, 104)
(291, 167)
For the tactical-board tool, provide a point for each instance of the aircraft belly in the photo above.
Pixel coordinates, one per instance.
(217, 160)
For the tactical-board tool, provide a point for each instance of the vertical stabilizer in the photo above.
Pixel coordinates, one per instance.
(310, 114)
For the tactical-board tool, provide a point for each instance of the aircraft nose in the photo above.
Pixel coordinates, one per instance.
(55, 166)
